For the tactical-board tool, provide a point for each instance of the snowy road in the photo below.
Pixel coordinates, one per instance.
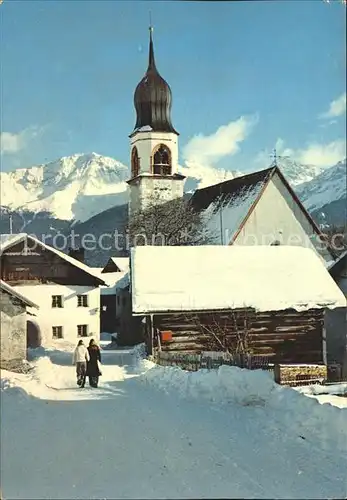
(128, 439)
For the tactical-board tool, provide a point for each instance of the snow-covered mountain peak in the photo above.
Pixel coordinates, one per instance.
(329, 186)
(297, 173)
(72, 187)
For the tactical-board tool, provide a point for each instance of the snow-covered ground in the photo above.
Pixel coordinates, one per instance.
(335, 394)
(159, 432)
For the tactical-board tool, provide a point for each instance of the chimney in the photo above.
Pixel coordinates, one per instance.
(77, 253)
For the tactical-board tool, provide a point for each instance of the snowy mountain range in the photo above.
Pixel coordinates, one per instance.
(77, 188)
(329, 186)
(80, 186)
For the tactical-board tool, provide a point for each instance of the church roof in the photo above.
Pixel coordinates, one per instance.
(153, 99)
(237, 197)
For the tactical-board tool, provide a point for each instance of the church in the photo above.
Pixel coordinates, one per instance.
(239, 211)
(153, 143)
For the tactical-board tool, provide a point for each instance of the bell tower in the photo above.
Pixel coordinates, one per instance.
(153, 142)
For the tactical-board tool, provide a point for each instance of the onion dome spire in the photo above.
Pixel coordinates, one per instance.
(153, 98)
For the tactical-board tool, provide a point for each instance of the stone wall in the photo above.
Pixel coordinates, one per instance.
(13, 330)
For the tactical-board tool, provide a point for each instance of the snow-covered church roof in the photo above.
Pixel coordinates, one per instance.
(229, 203)
(266, 278)
(236, 197)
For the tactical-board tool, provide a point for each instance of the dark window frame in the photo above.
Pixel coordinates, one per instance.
(57, 301)
(82, 300)
(82, 330)
(57, 332)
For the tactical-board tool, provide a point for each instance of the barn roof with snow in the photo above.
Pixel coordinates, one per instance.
(116, 265)
(5, 287)
(265, 278)
(238, 198)
(8, 240)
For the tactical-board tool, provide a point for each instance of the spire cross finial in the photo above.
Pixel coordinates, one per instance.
(151, 63)
(276, 157)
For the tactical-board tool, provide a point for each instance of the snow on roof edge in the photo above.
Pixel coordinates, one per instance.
(8, 288)
(17, 238)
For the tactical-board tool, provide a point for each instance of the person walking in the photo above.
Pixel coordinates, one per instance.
(80, 359)
(93, 370)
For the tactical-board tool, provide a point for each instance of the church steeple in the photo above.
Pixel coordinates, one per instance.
(153, 98)
(154, 175)
(151, 60)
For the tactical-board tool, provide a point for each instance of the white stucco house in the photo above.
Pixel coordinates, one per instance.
(65, 289)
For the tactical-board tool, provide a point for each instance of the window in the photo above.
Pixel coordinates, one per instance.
(57, 332)
(82, 330)
(57, 301)
(82, 300)
(135, 162)
(162, 160)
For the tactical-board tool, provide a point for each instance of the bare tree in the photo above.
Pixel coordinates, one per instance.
(225, 332)
(173, 223)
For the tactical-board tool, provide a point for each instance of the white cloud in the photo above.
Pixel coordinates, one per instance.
(323, 155)
(12, 143)
(320, 155)
(336, 108)
(225, 141)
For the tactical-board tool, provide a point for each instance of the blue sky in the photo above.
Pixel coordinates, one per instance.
(267, 72)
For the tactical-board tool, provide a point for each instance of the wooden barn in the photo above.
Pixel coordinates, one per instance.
(265, 302)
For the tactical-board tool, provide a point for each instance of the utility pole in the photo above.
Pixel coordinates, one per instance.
(221, 216)
(221, 211)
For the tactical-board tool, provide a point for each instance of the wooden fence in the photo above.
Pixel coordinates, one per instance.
(291, 375)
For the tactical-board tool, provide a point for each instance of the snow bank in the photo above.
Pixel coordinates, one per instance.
(225, 385)
(233, 385)
(333, 389)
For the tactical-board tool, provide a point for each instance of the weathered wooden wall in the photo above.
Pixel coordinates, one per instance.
(20, 265)
(283, 337)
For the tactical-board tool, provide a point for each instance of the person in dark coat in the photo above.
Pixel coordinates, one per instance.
(93, 371)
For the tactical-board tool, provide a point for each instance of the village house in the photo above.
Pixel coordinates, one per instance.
(267, 302)
(259, 208)
(65, 289)
(13, 321)
(111, 302)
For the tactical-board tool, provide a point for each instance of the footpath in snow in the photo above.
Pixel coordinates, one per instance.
(155, 432)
